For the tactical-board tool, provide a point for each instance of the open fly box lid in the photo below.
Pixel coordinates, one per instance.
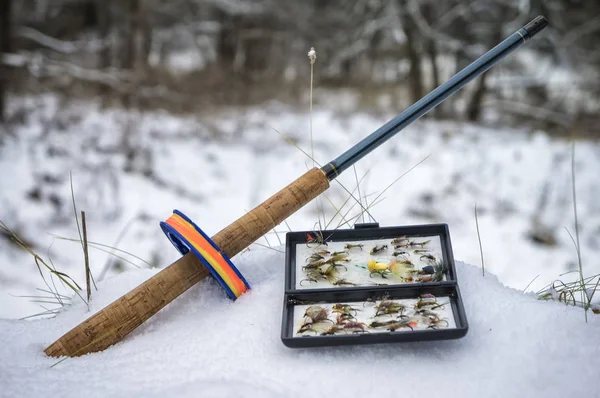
(371, 285)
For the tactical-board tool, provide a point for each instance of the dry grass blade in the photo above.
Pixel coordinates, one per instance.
(44, 301)
(44, 313)
(41, 264)
(479, 239)
(290, 141)
(576, 241)
(86, 259)
(75, 208)
(277, 235)
(46, 298)
(529, 284)
(357, 216)
(362, 208)
(346, 201)
(342, 223)
(77, 219)
(570, 285)
(566, 292)
(54, 293)
(267, 240)
(376, 200)
(582, 284)
(590, 296)
(111, 258)
(317, 163)
(312, 56)
(268, 247)
(48, 252)
(358, 188)
(337, 212)
(101, 246)
(94, 341)
(398, 179)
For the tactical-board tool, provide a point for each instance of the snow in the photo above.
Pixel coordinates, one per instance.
(312, 55)
(214, 167)
(203, 344)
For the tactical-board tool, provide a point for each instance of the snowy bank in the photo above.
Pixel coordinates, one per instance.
(520, 181)
(204, 345)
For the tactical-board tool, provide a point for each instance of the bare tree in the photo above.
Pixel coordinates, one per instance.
(415, 78)
(5, 47)
(105, 19)
(80, 44)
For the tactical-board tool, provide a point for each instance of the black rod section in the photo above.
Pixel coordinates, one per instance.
(434, 98)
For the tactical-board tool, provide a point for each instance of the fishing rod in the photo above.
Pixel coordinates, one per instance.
(434, 98)
(203, 256)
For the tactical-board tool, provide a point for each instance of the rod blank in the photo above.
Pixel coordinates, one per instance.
(434, 98)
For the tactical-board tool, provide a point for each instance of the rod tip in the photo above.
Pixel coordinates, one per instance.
(536, 26)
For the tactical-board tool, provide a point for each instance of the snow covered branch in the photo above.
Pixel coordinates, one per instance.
(449, 42)
(534, 112)
(41, 66)
(119, 80)
(63, 47)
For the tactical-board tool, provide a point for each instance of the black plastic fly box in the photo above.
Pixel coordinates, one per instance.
(371, 285)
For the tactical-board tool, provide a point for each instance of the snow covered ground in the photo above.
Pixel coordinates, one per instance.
(517, 346)
(215, 167)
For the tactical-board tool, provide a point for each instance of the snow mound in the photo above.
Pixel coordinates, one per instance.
(205, 345)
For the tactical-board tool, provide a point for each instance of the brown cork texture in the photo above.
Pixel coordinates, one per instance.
(266, 216)
(111, 324)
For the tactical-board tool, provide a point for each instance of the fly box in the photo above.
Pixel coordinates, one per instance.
(371, 285)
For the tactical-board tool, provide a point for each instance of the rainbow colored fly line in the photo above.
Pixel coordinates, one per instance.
(186, 236)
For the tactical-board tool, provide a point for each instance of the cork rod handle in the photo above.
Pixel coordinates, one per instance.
(111, 324)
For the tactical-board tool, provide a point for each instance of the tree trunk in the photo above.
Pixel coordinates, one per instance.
(414, 75)
(473, 112)
(130, 34)
(431, 50)
(146, 41)
(5, 47)
(432, 53)
(141, 36)
(104, 18)
(104, 15)
(227, 41)
(474, 107)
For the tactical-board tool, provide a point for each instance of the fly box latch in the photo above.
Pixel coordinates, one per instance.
(366, 225)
